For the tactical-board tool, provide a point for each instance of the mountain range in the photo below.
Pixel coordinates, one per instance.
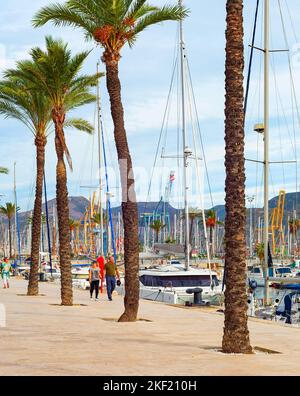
(78, 207)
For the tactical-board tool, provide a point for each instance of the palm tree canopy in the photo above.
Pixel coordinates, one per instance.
(30, 107)
(8, 210)
(194, 213)
(55, 72)
(97, 218)
(294, 225)
(71, 224)
(19, 99)
(260, 250)
(211, 219)
(111, 23)
(3, 170)
(157, 225)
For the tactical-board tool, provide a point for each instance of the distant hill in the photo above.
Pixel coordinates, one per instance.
(292, 202)
(78, 207)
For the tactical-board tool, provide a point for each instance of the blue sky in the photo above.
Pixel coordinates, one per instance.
(145, 73)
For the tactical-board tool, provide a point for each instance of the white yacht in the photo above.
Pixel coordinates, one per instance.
(169, 284)
(80, 276)
(275, 273)
(285, 307)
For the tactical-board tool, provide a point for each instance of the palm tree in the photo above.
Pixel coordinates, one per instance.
(112, 24)
(33, 110)
(157, 226)
(72, 228)
(9, 211)
(260, 252)
(3, 170)
(194, 213)
(76, 227)
(211, 222)
(97, 218)
(294, 226)
(32, 107)
(236, 334)
(56, 73)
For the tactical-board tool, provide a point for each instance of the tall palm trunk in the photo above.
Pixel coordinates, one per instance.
(236, 334)
(9, 237)
(63, 212)
(157, 235)
(129, 205)
(191, 237)
(211, 251)
(33, 285)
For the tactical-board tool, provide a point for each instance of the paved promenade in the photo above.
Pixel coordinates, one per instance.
(42, 338)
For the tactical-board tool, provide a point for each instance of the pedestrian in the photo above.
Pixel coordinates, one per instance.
(94, 278)
(111, 273)
(5, 272)
(101, 264)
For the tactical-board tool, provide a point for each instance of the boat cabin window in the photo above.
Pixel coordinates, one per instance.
(255, 270)
(283, 270)
(178, 281)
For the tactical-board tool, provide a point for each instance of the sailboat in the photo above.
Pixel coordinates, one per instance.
(283, 306)
(178, 282)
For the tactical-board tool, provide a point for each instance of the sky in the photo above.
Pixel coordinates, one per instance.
(145, 73)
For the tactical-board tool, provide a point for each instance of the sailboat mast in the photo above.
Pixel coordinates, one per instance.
(15, 201)
(266, 143)
(17, 227)
(186, 153)
(99, 157)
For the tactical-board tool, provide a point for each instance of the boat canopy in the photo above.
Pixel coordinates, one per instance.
(177, 280)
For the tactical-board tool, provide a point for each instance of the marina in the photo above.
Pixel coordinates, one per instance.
(156, 216)
(160, 331)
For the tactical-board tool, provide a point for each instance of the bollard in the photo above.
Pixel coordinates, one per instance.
(197, 291)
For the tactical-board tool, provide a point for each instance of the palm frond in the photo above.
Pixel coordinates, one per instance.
(80, 124)
(62, 15)
(4, 170)
(166, 13)
(20, 101)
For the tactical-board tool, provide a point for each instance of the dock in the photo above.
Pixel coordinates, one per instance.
(43, 338)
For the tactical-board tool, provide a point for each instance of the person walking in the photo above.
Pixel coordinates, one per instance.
(111, 273)
(5, 272)
(94, 278)
(101, 264)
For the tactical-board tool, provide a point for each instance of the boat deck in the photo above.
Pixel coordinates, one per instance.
(43, 338)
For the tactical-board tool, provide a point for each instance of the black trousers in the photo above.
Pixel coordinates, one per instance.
(95, 286)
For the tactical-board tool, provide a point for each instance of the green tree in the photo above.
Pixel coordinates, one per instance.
(194, 213)
(56, 73)
(97, 219)
(20, 100)
(9, 211)
(211, 222)
(157, 226)
(260, 252)
(3, 170)
(112, 24)
(236, 334)
(294, 226)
